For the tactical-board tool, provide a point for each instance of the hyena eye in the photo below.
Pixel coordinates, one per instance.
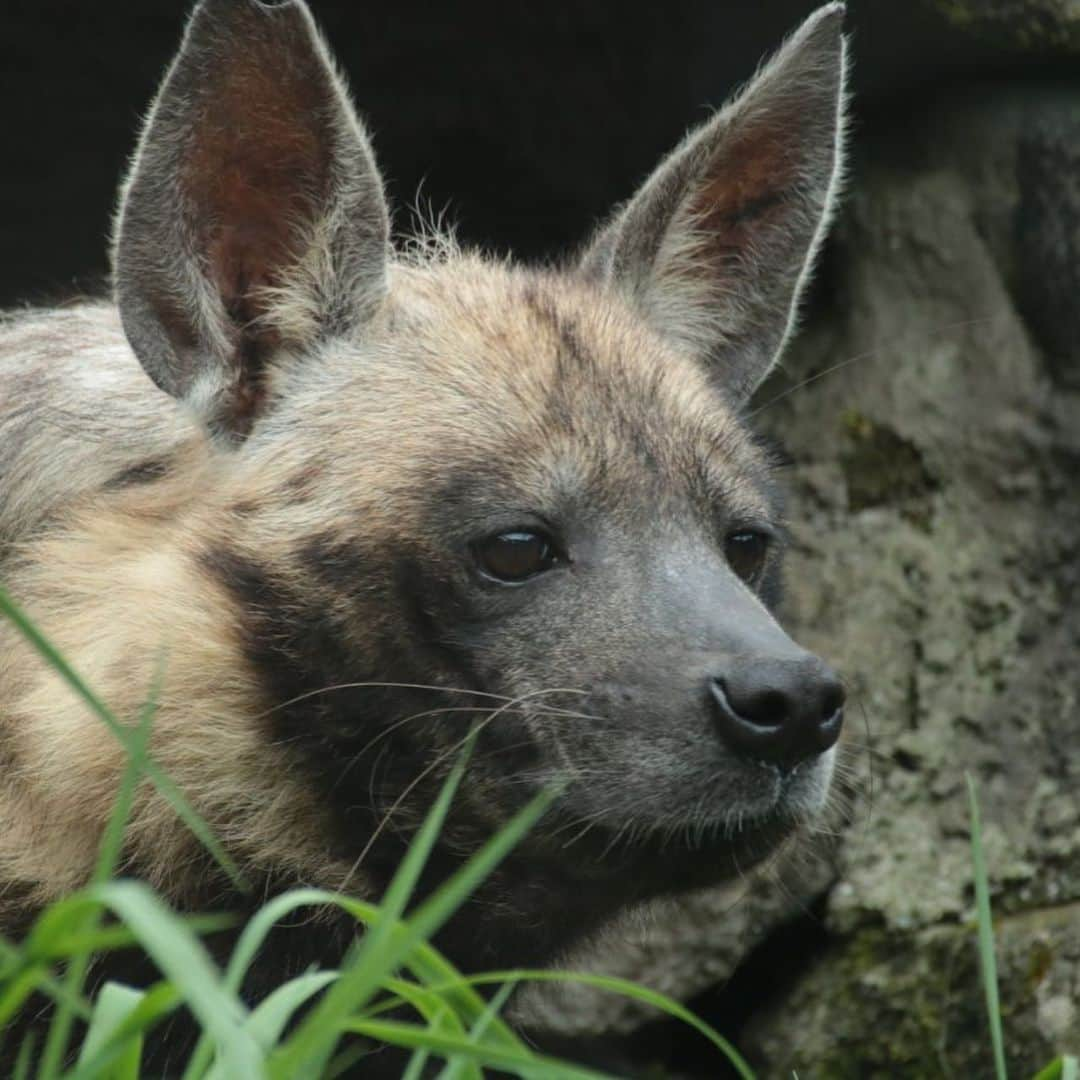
(515, 556)
(745, 551)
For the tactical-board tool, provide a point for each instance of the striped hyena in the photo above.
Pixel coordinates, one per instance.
(361, 497)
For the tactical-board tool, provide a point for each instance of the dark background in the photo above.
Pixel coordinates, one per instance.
(526, 121)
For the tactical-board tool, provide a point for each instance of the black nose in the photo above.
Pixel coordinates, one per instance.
(780, 711)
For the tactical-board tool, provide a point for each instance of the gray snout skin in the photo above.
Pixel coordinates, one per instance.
(769, 699)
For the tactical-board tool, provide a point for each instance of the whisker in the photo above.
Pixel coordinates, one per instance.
(378, 685)
(427, 770)
(375, 686)
(868, 355)
(864, 748)
(401, 723)
(870, 753)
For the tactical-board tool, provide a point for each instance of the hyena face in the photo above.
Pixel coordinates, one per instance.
(449, 489)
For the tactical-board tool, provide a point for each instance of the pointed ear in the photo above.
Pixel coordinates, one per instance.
(717, 245)
(253, 219)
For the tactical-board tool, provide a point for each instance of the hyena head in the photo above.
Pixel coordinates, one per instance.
(450, 489)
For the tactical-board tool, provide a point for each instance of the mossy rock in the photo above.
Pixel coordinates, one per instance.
(885, 1004)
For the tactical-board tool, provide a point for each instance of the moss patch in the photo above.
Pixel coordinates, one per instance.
(881, 467)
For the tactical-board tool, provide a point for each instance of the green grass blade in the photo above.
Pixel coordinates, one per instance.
(432, 1007)
(520, 1062)
(273, 1013)
(438, 908)
(459, 1068)
(436, 972)
(169, 791)
(412, 866)
(1066, 1067)
(112, 841)
(78, 961)
(312, 1046)
(247, 946)
(425, 963)
(181, 957)
(614, 985)
(263, 921)
(440, 1018)
(346, 1060)
(987, 960)
(112, 938)
(25, 1061)
(119, 1052)
(14, 963)
(439, 974)
(56, 924)
(495, 1006)
(115, 1004)
(434, 912)
(415, 1069)
(17, 990)
(11, 958)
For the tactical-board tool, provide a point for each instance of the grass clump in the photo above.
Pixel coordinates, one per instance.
(1064, 1067)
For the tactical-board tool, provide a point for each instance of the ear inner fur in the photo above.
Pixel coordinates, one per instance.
(253, 219)
(717, 246)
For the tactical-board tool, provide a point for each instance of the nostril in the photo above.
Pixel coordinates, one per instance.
(764, 707)
(750, 724)
(832, 699)
(768, 709)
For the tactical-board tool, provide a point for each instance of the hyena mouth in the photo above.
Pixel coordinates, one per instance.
(651, 859)
(710, 837)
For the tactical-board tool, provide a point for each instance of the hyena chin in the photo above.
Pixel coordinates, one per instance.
(352, 502)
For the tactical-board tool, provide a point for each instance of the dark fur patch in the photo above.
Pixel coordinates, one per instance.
(145, 472)
(246, 580)
(748, 211)
(335, 561)
(244, 508)
(327, 697)
(303, 484)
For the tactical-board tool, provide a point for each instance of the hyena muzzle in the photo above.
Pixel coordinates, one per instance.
(353, 501)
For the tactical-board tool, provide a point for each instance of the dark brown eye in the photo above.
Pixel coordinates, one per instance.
(515, 556)
(745, 551)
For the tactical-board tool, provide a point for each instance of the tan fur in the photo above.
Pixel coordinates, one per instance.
(115, 583)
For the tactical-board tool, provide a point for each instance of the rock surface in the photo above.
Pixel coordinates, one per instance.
(932, 412)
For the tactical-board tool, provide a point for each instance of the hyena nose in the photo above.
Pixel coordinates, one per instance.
(779, 711)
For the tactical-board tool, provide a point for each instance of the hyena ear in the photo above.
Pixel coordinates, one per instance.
(253, 222)
(717, 245)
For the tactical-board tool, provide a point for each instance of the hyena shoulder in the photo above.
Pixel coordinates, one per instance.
(78, 415)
